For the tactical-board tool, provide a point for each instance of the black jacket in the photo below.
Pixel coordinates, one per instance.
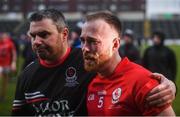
(130, 51)
(160, 59)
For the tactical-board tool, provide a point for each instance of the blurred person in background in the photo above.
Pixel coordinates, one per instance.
(74, 37)
(56, 82)
(7, 62)
(128, 48)
(159, 58)
(27, 52)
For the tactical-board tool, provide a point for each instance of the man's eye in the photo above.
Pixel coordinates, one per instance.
(94, 42)
(32, 35)
(43, 34)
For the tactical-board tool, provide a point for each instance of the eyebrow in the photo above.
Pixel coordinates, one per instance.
(89, 37)
(38, 33)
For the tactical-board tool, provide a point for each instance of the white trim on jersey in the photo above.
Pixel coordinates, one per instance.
(34, 93)
(33, 97)
(18, 103)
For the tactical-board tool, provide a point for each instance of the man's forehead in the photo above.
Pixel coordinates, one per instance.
(93, 26)
(95, 22)
(42, 23)
(99, 27)
(40, 26)
(36, 30)
(89, 28)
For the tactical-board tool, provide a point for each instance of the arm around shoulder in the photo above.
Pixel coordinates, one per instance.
(167, 112)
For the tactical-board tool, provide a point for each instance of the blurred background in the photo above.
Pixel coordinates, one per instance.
(140, 16)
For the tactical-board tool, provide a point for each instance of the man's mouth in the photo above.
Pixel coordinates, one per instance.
(40, 50)
(89, 58)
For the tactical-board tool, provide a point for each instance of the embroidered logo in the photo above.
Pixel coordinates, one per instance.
(91, 97)
(116, 95)
(71, 77)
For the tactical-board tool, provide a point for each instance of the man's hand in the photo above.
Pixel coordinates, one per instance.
(162, 94)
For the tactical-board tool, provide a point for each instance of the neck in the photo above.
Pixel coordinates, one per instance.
(110, 66)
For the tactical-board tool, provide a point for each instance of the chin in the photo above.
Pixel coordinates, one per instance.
(43, 57)
(90, 68)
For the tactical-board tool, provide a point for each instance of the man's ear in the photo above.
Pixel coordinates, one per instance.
(28, 34)
(65, 33)
(116, 43)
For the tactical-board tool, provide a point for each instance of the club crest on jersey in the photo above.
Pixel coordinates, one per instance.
(116, 95)
(71, 77)
(91, 97)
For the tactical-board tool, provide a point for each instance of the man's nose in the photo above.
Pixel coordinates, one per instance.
(85, 46)
(37, 40)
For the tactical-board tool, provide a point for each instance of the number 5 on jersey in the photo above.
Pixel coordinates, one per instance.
(100, 102)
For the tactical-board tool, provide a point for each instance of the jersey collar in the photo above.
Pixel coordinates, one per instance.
(121, 68)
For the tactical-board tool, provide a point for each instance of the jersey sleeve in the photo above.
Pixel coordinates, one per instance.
(140, 99)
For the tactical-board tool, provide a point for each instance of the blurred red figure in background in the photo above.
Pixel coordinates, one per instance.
(7, 61)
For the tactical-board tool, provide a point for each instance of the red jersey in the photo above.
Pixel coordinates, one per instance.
(122, 93)
(6, 49)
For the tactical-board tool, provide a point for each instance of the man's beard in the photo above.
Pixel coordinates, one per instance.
(43, 52)
(92, 62)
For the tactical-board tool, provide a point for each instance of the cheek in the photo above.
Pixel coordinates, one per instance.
(57, 46)
(106, 49)
(53, 41)
(105, 54)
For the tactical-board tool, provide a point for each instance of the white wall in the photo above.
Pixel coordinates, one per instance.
(162, 7)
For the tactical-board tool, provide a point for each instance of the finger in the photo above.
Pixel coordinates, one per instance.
(158, 88)
(156, 76)
(159, 95)
(168, 102)
(161, 101)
